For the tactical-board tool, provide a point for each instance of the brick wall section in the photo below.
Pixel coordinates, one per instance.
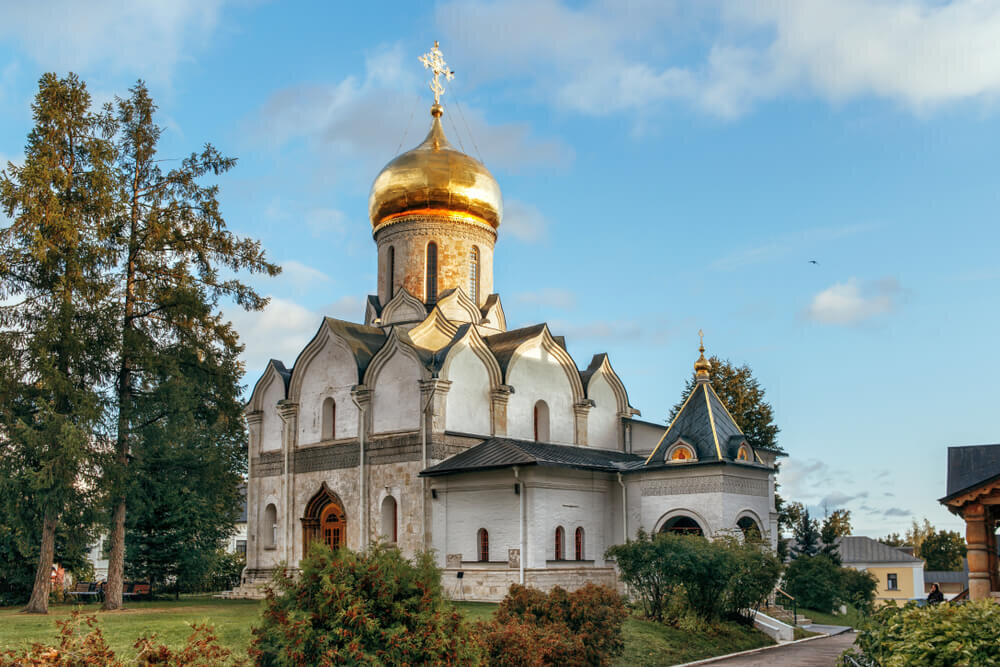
(454, 237)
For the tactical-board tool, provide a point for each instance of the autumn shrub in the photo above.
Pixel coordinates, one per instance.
(368, 607)
(81, 642)
(960, 635)
(556, 628)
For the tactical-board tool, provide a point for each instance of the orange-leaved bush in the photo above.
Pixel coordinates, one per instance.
(534, 628)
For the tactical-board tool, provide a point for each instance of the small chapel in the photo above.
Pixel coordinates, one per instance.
(432, 426)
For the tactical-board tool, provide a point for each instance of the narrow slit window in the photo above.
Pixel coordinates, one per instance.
(431, 288)
(560, 539)
(474, 275)
(484, 546)
(391, 272)
(579, 543)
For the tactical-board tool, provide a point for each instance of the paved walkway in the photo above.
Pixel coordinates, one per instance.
(815, 653)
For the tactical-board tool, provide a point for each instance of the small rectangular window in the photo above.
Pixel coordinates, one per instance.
(892, 583)
(241, 547)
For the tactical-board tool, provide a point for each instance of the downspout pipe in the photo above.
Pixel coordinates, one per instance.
(520, 516)
(621, 482)
(362, 493)
(423, 460)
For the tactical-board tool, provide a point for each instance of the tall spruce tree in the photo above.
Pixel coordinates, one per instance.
(177, 259)
(807, 536)
(54, 333)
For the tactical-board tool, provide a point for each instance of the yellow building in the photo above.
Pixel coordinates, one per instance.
(900, 576)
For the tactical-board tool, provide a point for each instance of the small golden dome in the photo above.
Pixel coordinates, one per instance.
(702, 366)
(435, 178)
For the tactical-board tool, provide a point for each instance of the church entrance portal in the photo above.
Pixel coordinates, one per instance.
(325, 520)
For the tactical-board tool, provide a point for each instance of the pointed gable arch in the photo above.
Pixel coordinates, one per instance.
(275, 371)
(458, 307)
(435, 332)
(397, 342)
(394, 376)
(323, 338)
(493, 315)
(600, 366)
(468, 337)
(548, 343)
(403, 307)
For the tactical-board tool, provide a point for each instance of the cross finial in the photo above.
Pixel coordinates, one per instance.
(434, 61)
(701, 340)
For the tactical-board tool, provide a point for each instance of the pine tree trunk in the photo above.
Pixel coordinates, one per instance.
(116, 560)
(39, 602)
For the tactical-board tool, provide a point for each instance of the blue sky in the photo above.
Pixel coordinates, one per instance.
(665, 167)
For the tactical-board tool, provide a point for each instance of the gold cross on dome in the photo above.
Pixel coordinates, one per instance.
(434, 61)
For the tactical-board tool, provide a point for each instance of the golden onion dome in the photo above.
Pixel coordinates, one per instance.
(435, 178)
(702, 366)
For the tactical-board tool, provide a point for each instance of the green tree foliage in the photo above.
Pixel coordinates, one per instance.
(188, 468)
(714, 579)
(807, 536)
(835, 525)
(893, 540)
(917, 533)
(555, 628)
(943, 550)
(961, 635)
(858, 588)
(814, 581)
(54, 338)
(743, 396)
(372, 607)
(177, 259)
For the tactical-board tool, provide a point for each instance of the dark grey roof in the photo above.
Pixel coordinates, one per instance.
(506, 452)
(971, 466)
(595, 363)
(286, 375)
(693, 425)
(503, 345)
(490, 300)
(375, 303)
(942, 577)
(859, 549)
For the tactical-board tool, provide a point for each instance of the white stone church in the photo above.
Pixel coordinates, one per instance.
(433, 426)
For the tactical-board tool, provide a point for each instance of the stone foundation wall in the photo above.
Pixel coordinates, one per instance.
(491, 585)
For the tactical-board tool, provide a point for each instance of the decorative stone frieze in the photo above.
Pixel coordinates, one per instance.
(268, 464)
(708, 484)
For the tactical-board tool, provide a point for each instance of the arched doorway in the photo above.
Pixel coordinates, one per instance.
(749, 528)
(324, 520)
(683, 525)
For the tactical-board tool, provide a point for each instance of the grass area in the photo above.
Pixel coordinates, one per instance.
(851, 618)
(646, 642)
(652, 643)
(804, 634)
(170, 620)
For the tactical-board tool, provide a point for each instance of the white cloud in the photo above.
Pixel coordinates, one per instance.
(854, 302)
(325, 221)
(524, 222)
(300, 275)
(365, 122)
(280, 331)
(585, 57)
(552, 297)
(595, 330)
(149, 38)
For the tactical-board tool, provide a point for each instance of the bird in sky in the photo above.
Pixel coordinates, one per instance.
(813, 261)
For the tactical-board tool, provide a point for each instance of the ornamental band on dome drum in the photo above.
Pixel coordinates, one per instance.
(433, 426)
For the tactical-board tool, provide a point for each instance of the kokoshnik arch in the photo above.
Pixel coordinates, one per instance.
(433, 426)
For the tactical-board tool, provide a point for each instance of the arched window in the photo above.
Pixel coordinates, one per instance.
(269, 526)
(390, 527)
(391, 272)
(680, 453)
(560, 543)
(431, 289)
(474, 275)
(684, 525)
(484, 546)
(541, 417)
(579, 543)
(750, 529)
(743, 454)
(329, 419)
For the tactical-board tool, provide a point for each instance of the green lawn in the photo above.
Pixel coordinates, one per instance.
(851, 618)
(646, 642)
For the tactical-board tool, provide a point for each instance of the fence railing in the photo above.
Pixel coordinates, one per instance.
(783, 599)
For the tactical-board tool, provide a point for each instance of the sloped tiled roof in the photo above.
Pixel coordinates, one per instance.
(506, 452)
(364, 341)
(971, 466)
(503, 345)
(859, 549)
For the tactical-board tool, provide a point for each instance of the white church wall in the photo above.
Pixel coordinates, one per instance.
(468, 400)
(396, 398)
(466, 503)
(267, 491)
(330, 374)
(537, 375)
(645, 435)
(571, 499)
(603, 422)
(270, 428)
